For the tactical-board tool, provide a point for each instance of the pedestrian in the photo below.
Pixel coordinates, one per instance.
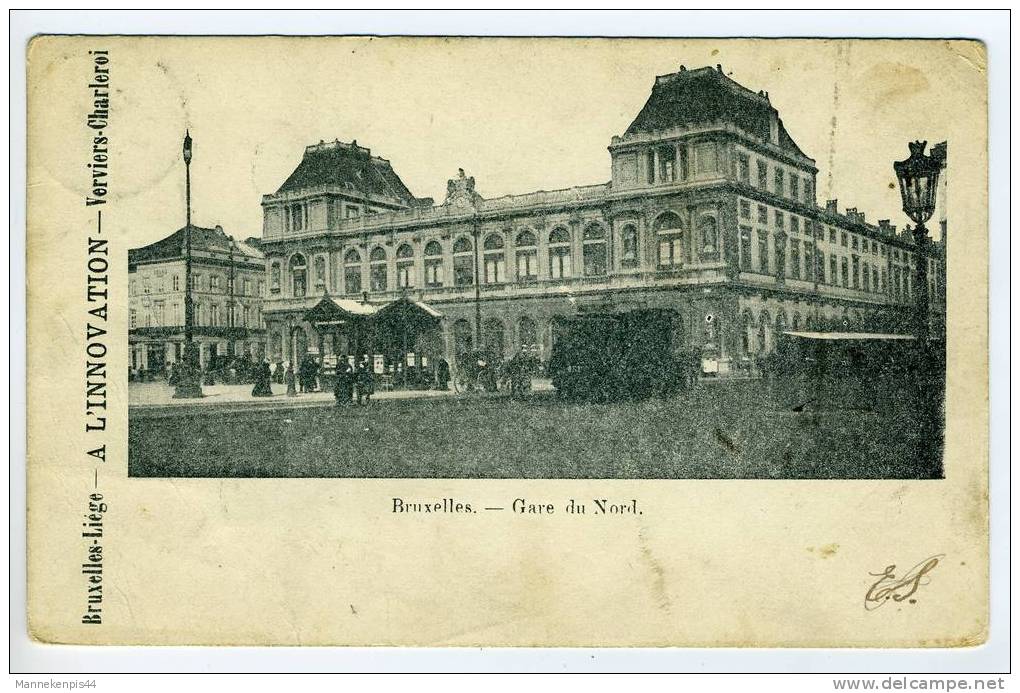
(364, 384)
(262, 376)
(289, 377)
(278, 374)
(443, 374)
(344, 388)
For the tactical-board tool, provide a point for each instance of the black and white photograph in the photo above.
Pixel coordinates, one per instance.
(374, 340)
(722, 300)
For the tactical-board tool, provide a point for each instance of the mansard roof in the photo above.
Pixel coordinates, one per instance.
(347, 166)
(706, 95)
(203, 240)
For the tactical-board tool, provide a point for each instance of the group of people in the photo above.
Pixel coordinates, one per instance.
(354, 384)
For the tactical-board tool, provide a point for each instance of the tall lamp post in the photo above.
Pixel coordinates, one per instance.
(189, 385)
(919, 176)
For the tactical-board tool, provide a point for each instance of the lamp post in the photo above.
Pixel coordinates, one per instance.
(189, 385)
(918, 177)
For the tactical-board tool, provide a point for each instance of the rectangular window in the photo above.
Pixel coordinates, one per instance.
(670, 251)
(845, 267)
(779, 220)
(133, 318)
(214, 282)
(794, 224)
(433, 272)
(779, 182)
(856, 274)
(352, 280)
(820, 278)
(833, 273)
(832, 236)
(866, 276)
(745, 209)
(745, 248)
(744, 169)
(405, 275)
(651, 167)
(807, 191)
(795, 259)
(352, 212)
(594, 259)
(843, 239)
(763, 214)
(809, 249)
(874, 279)
(763, 251)
(559, 262)
(794, 187)
(495, 269)
(377, 277)
(853, 242)
(527, 265)
(763, 175)
(177, 283)
(463, 271)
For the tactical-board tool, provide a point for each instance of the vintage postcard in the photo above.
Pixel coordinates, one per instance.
(507, 341)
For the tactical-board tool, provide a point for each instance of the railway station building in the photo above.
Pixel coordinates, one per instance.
(710, 210)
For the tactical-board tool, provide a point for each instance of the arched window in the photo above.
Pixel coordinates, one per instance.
(594, 251)
(746, 327)
(320, 273)
(274, 278)
(780, 324)
(709, 230)
(492, 336)
(796, 320)
(433, 264)
(559, 253)
(298, 275)
(463, 340)
(463, 262)
(669, 230)
(377, 269)
(629, 243)
(352, 272)
(494, 258)
(405, 267)
(527, 256)
(764, 327)
(527, 334)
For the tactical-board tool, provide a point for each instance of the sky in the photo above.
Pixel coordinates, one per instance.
(517, 114)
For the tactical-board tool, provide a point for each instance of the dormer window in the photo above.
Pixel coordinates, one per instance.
(667, 164)
(297, 217)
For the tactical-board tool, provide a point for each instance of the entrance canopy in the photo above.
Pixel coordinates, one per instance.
(331, 311)
(407, 314)
(849, 336)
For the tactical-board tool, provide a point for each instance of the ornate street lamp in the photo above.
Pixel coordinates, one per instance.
(189, 385)
(919, 177)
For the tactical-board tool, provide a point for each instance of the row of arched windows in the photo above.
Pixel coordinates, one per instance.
(494, 339)
(594, 261)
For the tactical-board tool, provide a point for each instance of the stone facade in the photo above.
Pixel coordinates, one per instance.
(229, 283)
(710, 211)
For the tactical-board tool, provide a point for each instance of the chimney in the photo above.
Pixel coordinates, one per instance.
(831, 206)
(886, 228)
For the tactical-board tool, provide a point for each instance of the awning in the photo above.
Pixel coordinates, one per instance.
(331, 311)
(849, 336)
(406, 312)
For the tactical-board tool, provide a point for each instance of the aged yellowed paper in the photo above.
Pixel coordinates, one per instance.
(476, 341)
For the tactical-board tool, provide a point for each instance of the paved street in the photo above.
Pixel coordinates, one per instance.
(739, 430)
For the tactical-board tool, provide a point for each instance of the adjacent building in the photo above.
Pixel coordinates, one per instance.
(710, 210)
(228, 285)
